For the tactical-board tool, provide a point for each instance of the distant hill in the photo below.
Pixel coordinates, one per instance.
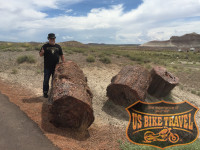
(72, 44)
(103, 44)
(185, 41)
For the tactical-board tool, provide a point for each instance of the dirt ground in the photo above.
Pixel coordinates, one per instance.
(23, 85)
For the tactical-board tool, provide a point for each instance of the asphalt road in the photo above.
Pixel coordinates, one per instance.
(18, 132)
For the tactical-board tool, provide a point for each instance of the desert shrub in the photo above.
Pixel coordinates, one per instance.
(101, 55)
(25, 58)
(126, 55)
(107, 53)
(37, 48)
(118, 56)
(181, 87)
(67, 51)
(14, 71)
(139, 58)
(17, 49)
(175, 67)
(12, 49)
(193, 92)
(29, 49)
(33, 48)
(24, 45)
(90, 59)
(130, 146)
(38, 71)
(105, 60)
(93, 50)
(148, 67)
(70, 50)
(136, 58)
(78, 50)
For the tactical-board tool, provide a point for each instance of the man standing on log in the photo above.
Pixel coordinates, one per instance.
(51, 52)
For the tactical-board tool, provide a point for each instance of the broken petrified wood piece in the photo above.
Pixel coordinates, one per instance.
(72, 98)
(162, 82)
(129, 85)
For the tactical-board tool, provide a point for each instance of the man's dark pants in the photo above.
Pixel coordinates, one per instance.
(47, 74)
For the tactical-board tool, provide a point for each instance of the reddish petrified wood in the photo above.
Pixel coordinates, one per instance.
(72, 98)
(162, 82)
(129, 85)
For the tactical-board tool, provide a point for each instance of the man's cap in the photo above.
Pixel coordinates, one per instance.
(51, 35)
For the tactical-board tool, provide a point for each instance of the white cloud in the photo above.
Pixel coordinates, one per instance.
(44, 3)
(68, 10)
(152, 20)
(53, 3)
(67, 37)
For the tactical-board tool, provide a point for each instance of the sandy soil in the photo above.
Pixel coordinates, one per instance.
(24, 88)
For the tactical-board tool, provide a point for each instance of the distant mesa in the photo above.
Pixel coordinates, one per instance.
(184, 42)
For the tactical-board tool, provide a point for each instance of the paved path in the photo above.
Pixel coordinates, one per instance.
(17, 131)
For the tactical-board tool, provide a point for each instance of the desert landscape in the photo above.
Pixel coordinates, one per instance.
(21, 78)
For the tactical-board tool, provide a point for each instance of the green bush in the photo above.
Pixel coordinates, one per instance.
(90, 59)
(101, 55)
(67, 51)
(28, 59)
(105, 60)
(79, 50)
(198, 93)
(12, 50)
(130, 146)
(14, 71)
(181, 87)
(29, 49)
(38, 71)
(37, 48)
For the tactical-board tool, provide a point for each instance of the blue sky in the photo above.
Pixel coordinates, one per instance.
(84, 7)
(94, 21)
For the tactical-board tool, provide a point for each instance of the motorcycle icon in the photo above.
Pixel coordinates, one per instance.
(164, 135)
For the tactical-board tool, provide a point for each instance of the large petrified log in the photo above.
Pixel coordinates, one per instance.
(72, 98)
(129, 85)
(162, 82)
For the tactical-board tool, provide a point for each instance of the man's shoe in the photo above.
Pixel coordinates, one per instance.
(45, 95)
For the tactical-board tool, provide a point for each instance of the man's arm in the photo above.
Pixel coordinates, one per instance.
(61, 54)
(62, 58)
(41, 52)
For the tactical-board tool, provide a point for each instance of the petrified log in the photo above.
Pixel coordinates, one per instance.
(129, 85)
(72, 98)
(162, 82)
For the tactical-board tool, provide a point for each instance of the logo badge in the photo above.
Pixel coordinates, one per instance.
(162, 124)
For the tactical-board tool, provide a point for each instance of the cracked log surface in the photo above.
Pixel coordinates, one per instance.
(72, 98)
(129, 85)
(162, 82)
